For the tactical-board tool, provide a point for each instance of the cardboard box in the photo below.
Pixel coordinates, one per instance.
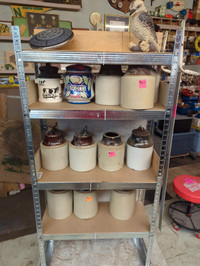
(196, 4)
(196, 14)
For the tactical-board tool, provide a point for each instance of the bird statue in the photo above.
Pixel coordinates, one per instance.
(142, 26)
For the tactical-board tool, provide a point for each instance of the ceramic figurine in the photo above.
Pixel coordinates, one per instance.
(142, 26)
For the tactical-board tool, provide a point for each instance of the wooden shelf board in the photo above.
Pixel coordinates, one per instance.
(103, 225)
(9, 38)
(97, 175)
(42, 4)
(14, 72)
(65, 106)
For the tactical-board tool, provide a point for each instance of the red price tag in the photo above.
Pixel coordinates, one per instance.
(142, 83)
(111, 153)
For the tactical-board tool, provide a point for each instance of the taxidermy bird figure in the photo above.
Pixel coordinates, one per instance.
(142, 26)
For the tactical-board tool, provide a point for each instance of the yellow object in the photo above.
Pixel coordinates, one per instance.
(196, 44)
(20, 11)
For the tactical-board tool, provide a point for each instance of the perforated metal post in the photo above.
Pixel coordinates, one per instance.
(166, 137)
(29, 140)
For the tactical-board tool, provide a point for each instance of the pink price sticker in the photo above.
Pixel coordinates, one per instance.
(189, 181)
(111, 153)
(142, 83)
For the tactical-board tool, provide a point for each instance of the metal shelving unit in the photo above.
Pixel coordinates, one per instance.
(139, 226)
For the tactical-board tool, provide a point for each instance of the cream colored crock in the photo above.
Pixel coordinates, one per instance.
(59, 204)
(111, 158)
(82, 158)
(107, 90)
(54, 158)
(122, 204)
(137, 91)
(85, 204)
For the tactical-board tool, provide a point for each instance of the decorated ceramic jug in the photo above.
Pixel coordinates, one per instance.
(78, 84)
(49, 84)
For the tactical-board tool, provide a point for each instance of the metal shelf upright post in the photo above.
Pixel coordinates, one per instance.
(46, 241)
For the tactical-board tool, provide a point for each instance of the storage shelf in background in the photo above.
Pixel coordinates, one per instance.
(65, 110)
(41, 3)
(102, 226)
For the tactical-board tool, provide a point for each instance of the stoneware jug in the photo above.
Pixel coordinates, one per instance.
(82, 152)
(59, 203)
(111, 152)
(54, 150)
(139, 149)
(85, 204)
(108, 85)
(122, 204)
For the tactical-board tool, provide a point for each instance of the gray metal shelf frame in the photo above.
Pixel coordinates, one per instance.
(46, 246)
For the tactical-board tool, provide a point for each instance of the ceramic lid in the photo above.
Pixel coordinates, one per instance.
(78, 69)
(140, 132)
(111, 70)
(82, 138)
(53, 137)
(48, 71)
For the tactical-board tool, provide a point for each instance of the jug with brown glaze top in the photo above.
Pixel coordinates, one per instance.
(82, 152)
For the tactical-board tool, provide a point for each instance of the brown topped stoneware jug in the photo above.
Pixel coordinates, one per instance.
(111, 152)
(54, 150)
(53, 137)
(139, 149)
(82, 151)
(82, 138)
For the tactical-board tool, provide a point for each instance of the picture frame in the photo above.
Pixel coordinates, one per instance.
(116, 23)
(41, 20)
(10, 60)
(5, 28)
(23, 26)
(65, 24)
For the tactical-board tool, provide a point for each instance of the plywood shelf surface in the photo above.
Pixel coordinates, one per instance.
(102, 226)
(97, 179)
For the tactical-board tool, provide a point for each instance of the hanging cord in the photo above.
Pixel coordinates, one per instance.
(186, 71)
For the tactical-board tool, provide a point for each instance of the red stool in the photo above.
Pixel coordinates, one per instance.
(186, 213)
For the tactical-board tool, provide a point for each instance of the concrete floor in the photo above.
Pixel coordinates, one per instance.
(171, 248)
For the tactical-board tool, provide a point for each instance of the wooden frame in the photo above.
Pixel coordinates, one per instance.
(116, 23)
(5, 28)
(10, 59)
